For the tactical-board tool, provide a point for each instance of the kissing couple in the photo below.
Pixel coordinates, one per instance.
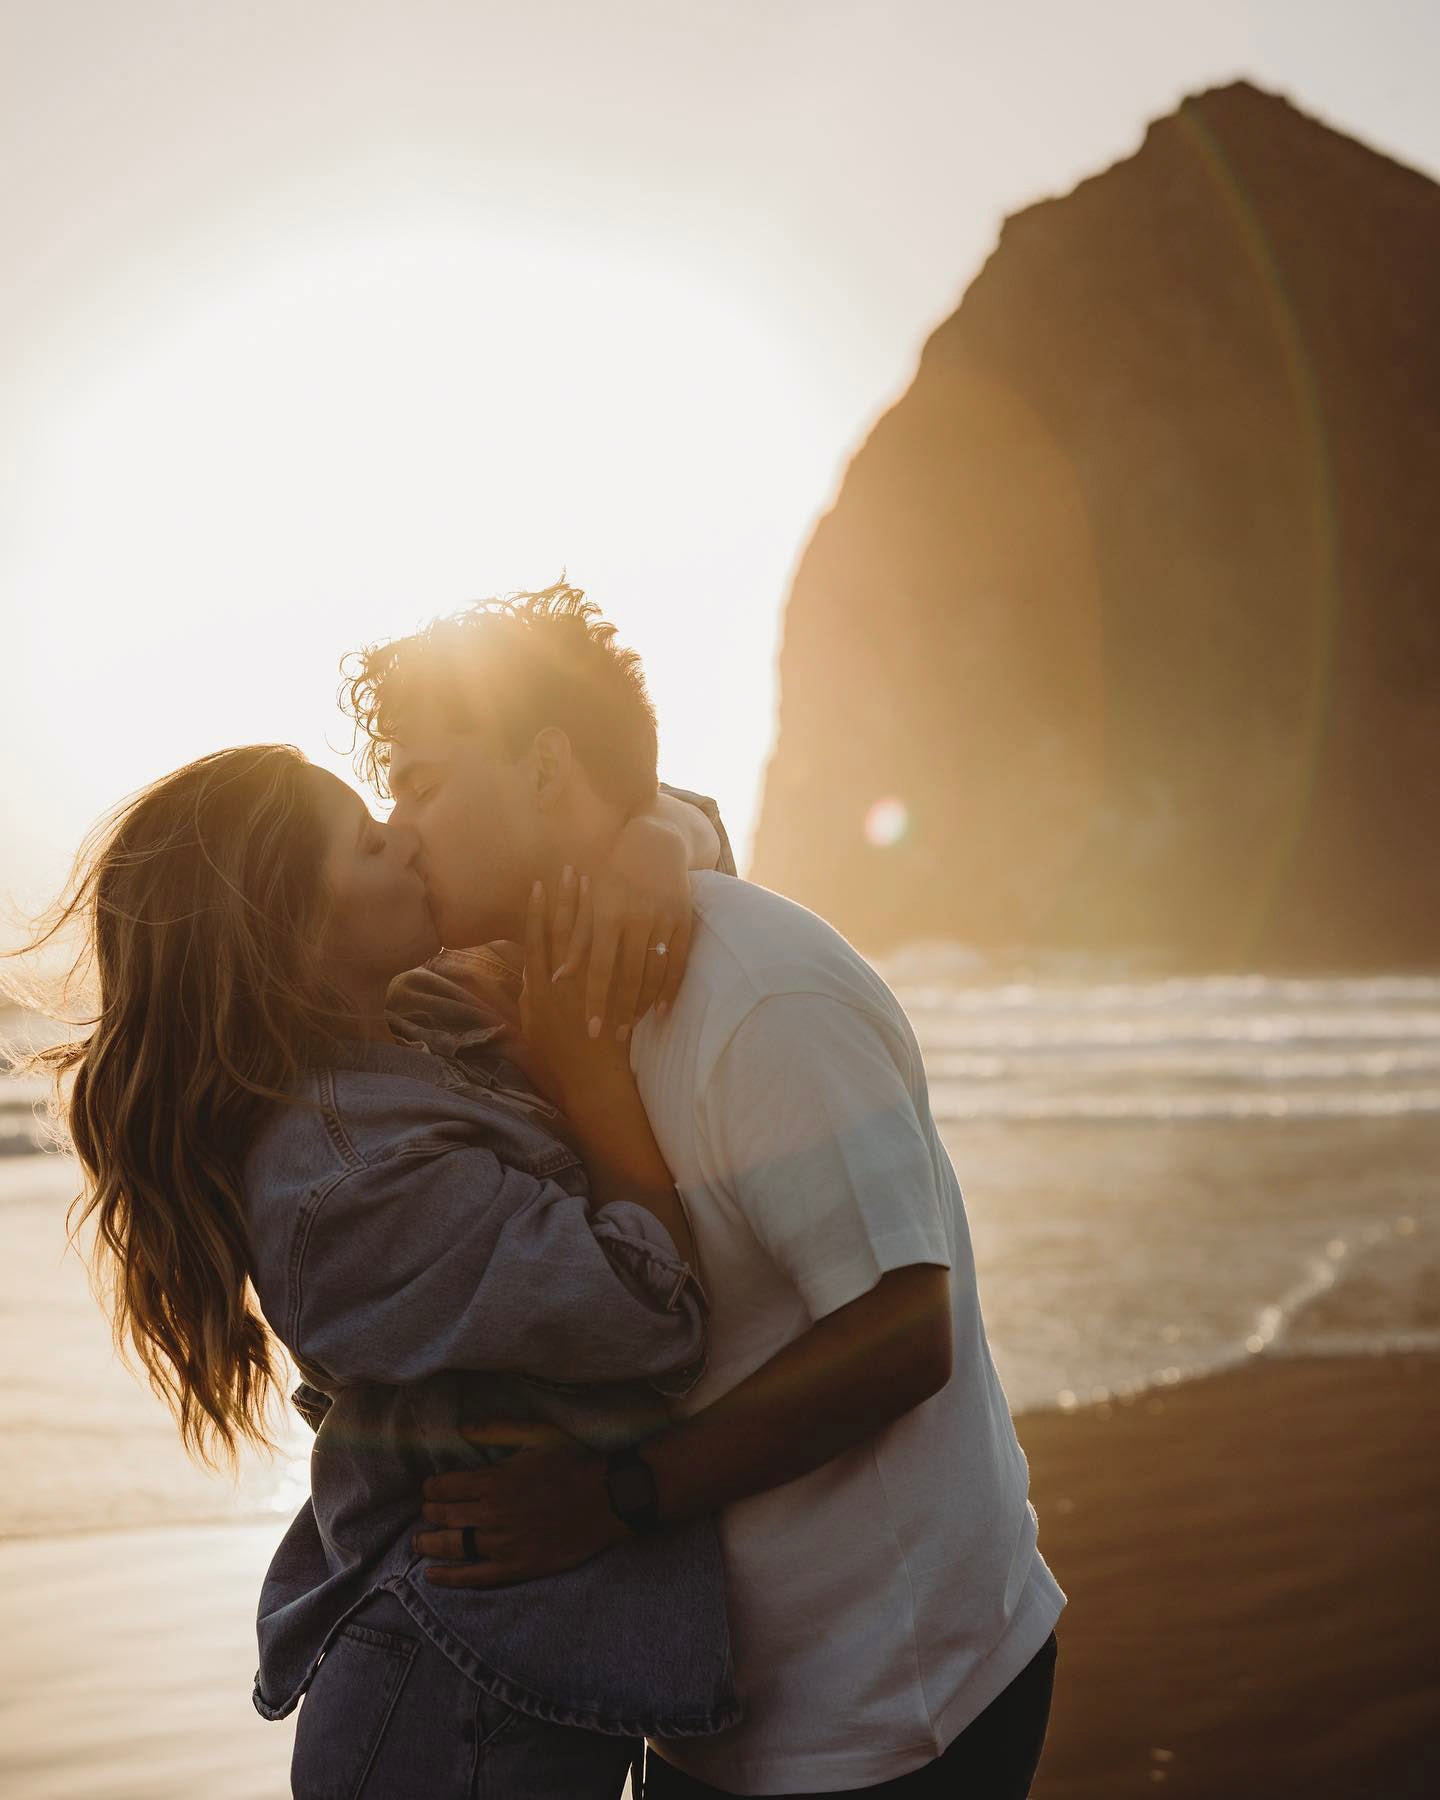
(595, 1195)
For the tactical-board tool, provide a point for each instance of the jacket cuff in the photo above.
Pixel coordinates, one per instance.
(639, 1249)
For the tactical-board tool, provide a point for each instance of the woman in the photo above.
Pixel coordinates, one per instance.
(416, 1221)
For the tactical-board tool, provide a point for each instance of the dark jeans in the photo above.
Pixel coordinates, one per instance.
(994, 1758)
(387, 1717)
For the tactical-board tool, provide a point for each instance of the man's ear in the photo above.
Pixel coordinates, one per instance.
(554, 767)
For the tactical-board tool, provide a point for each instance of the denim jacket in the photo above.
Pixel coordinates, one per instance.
(421, 1245)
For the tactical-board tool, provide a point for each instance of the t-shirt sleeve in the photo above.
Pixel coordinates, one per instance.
(813, 1127)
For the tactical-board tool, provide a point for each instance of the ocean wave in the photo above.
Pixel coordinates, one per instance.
(1109, 1031)
(1198, 991)
(1186, 1063)
(970, 1105)
(1219, 1048)
(1372, 1289)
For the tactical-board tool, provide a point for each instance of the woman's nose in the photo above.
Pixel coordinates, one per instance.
(405, 840)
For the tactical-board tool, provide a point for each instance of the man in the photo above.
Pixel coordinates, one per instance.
(891, 1617)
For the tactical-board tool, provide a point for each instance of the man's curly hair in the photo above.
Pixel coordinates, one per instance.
(508, 668)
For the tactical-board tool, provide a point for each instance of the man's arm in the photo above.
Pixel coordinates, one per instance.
(852, 1374)
(849, 1376)
(810, 1110)
(685, 817)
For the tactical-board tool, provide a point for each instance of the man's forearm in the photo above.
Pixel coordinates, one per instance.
(846, 1379)
(852, 1374)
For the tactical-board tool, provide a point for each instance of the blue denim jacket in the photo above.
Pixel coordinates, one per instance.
(421, 1245)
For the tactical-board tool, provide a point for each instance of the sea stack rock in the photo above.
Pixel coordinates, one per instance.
(1123, 634)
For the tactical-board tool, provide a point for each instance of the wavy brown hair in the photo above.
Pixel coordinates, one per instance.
(201, 903)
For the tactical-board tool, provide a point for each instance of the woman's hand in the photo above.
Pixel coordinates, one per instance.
(560, 1056)
(637, 901)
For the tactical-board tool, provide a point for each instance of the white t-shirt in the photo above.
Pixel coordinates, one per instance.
(879, 1604)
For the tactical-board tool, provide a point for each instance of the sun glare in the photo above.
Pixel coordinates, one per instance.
(377, 431)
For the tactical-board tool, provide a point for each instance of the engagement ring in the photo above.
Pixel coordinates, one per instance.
(662, 949)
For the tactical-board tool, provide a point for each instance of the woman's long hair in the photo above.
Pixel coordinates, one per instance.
(202, 904)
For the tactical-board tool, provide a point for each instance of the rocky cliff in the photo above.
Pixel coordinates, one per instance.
(1124, 630)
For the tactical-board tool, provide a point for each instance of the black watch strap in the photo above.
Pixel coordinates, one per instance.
(631, 1487)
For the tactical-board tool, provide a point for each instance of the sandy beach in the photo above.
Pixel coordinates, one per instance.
(1250, 1559)
(1250, 1555)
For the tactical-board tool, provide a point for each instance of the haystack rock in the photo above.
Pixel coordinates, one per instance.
(1123, 634)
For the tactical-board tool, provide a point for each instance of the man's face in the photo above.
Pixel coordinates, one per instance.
(477, 825)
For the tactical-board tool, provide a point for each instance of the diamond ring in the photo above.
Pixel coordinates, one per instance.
(662, 949)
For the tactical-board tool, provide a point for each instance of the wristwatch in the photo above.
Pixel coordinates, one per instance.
(631, 1487)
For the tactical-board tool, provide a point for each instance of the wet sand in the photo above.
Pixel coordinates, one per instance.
(1252, 1562)
(128, 1660)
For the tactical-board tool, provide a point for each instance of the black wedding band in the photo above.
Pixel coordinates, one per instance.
(469, 1549)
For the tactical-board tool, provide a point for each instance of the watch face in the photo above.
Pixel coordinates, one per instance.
(631, 1490)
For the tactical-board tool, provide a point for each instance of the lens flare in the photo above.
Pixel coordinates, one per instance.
(886, 822)
(1314, 654)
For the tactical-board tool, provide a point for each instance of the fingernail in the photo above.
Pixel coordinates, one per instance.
(584, 884)
(594, 1028)
(536, 891)
(661, 1008)
(622, 1034)
(562, 970)
(567, 874)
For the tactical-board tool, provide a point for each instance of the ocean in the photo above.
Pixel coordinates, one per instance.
(1163, 1176)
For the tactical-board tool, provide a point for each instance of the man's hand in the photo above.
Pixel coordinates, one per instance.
(540, 1511)
(852, 1374)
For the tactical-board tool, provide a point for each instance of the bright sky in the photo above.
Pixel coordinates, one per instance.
(322, 318)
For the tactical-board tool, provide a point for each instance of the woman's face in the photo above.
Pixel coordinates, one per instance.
(380, 920)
